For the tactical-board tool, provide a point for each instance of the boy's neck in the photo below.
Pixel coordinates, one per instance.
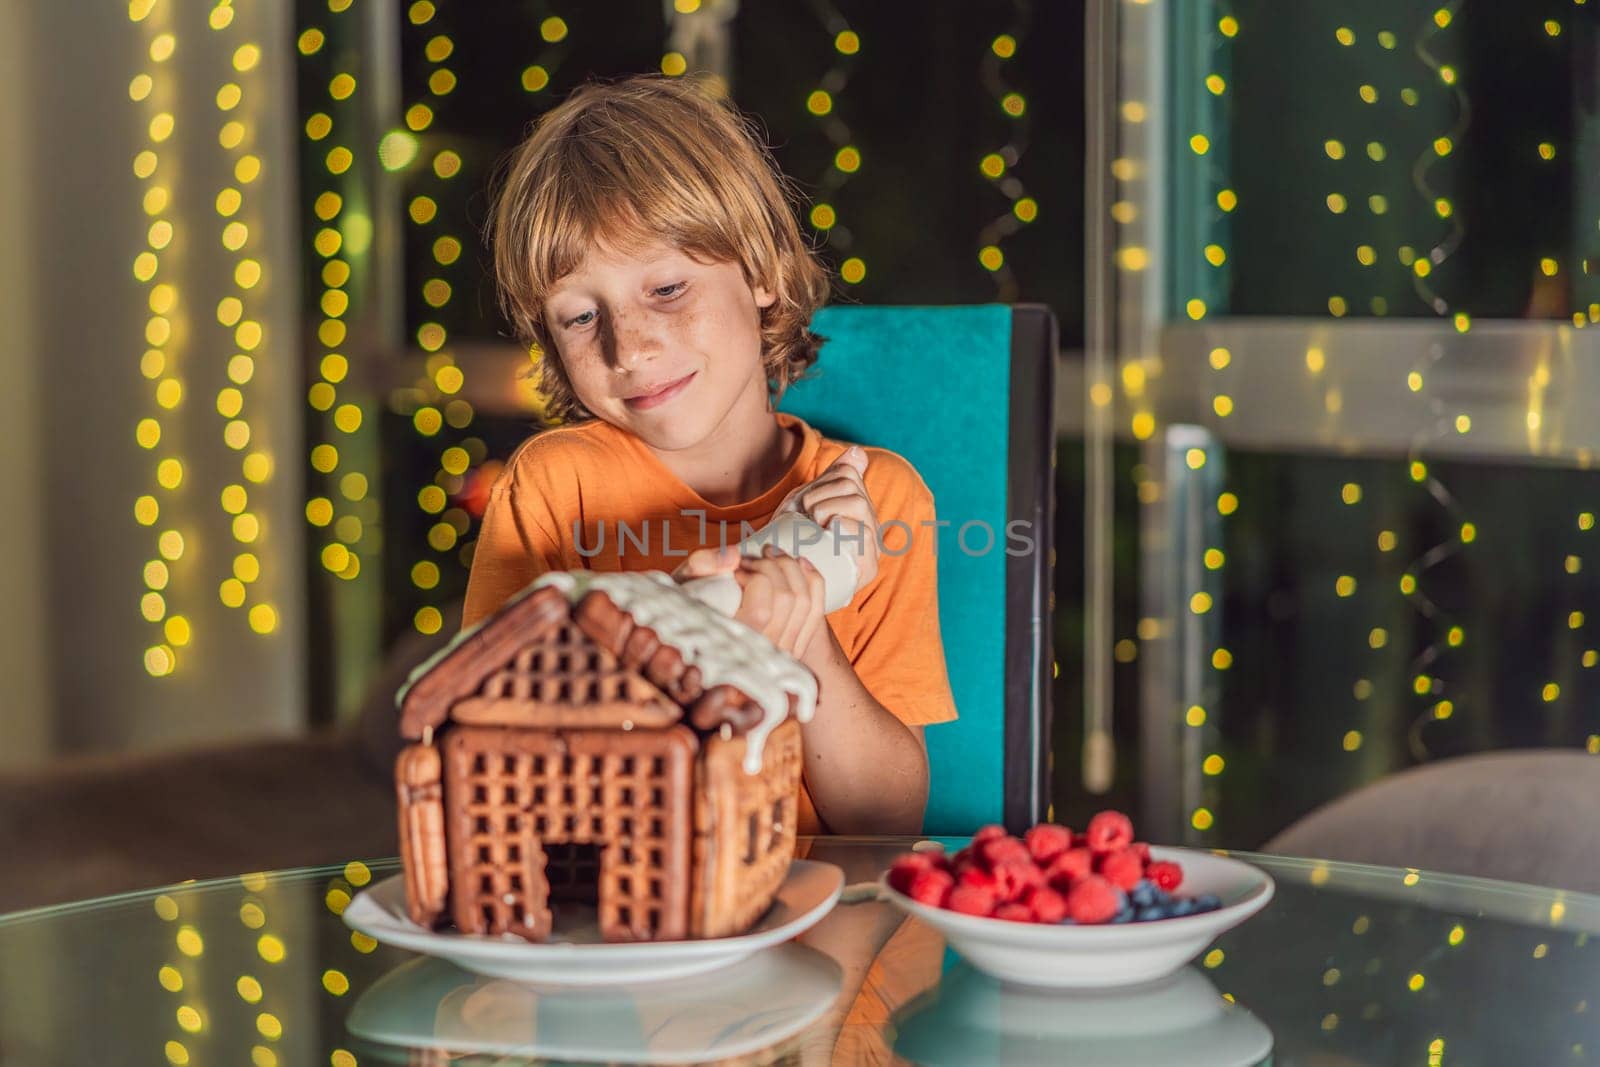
(743, 458)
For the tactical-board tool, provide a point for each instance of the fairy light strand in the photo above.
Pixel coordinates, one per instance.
(998, 167)
(243, 332)
(822, 102)
(160, 362)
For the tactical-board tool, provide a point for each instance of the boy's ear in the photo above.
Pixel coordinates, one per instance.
(765, 297)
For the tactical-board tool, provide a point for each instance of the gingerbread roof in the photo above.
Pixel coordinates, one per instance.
(533, 665)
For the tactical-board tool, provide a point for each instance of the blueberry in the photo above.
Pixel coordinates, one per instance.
(1144, 894)
(1126, 915)
(1208, 902)
(1182, 906)
(1151, 912)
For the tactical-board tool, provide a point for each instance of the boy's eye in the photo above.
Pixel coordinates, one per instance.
(669, 290)
(582, 320)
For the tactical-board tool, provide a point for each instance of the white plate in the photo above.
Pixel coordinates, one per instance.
(740, 1009)
(576, 956)
(973, 1018)
(1088, 957)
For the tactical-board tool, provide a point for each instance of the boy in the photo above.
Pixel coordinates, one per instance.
(644, 242)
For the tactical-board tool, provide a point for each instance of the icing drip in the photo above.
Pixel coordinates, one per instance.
(726, 652)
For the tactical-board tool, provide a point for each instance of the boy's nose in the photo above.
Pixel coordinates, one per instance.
(632, 342)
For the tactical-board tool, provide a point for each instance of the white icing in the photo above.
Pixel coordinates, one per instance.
(726, 652)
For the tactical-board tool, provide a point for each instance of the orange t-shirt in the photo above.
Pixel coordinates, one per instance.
(595, 477)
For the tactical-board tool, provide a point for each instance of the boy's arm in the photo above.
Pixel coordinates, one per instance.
(866, 759)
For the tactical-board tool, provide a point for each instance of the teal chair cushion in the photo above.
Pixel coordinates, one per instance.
(933, 384)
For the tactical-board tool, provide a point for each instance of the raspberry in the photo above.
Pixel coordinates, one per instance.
(1122, 868)
(1165, 874)
(904, 869)
(999, 850)
(1109, 831)
(1047, 841)
(962, 858)
(988, 833)
(1013, 878)
(1142, 850)
(1017, 913)
(1068, 867)
(1092, 899)
(931, 888)
(971, 899)
(1047, 905)
(977, 876)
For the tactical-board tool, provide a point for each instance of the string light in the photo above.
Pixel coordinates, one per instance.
(999, 166)
(160, 361)
(246, 335)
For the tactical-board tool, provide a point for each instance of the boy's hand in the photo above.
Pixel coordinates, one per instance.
(703, 562)
(782, 599)
(840, 492)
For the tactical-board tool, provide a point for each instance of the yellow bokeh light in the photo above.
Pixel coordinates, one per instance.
(438, 49)
(992, 165)
(338, 159)
(553, 29)
(319, 511)
(428, 620)
(1228, 26)
(247, 273)
(1200, 603)
(441, 82)
(153, 606)
(673, 64)
(1227, 504)
(853, 270)
(144, 164)
(1200, 144)
(263, 620)
(991, 258)
(847, 43)
(427, 420)
(324, 458)
(246, 528)
(1202, 819)
(1222, 404)
(848, 159)
(231, 592)
(446, 250)
(169, 473)
(189, 941)
(442, 536)
(819, 102)
(1227, 199)
(1004, 46)
(1026, 209)
(425, 575)
(246, 567)
(1352, 740)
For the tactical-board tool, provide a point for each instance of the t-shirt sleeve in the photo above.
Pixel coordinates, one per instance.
(900, 655)
(515, 545)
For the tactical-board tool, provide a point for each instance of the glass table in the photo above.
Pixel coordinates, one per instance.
(1348, 964)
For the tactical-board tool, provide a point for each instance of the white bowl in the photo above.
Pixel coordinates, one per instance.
(1100, 956)
(577, 956)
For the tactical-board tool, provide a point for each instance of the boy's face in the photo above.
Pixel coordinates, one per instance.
(659, 343)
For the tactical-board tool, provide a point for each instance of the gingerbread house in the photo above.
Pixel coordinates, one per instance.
(602, 739)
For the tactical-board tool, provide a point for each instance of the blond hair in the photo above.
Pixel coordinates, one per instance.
(651, 157)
